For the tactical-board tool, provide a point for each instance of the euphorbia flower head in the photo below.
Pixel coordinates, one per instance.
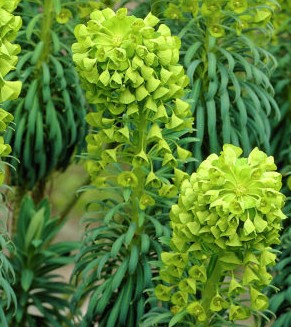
(231, 202)
(124, 60)
(129, 68)
(227, 217)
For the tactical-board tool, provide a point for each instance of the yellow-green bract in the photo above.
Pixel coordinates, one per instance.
(9, 25)
(9, 90)
(227, 217)
(129, 69)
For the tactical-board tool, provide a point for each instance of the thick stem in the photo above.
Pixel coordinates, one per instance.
(210, 289)
(139, 190)
(45, 32)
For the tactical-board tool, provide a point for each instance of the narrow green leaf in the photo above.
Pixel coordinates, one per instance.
(191, 51)
(130, 233)
(35, 227)
(211, 124)
(200, 124)
(3, 318)
(229, 58)
(30, 28)
(177, 318)
(225, 117)
(119, 274)
(192, 69)
(26, 279)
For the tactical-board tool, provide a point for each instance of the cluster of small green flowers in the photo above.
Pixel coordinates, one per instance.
(228, 212)
(219, 14)
(86, 8)
(130, 70)
(9, 25)
(83, 9)
(64, 16)
(9, 90)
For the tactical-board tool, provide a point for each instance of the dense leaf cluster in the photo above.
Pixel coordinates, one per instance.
(50, 111)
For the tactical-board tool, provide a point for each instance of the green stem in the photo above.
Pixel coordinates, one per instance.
(45, 32)
(138, 191)
(185, 29)
(210, 288)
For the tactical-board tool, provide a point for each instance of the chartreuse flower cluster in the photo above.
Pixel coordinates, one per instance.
(81, 9)
(9, 90)
(86, 8)
(129, 69)
(227, 217)
(219, 14)
(9, 25)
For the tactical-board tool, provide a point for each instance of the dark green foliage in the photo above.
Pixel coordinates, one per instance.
(42, 294)
(281, 80)
(49, 113)
(231, 92)
(113, 264)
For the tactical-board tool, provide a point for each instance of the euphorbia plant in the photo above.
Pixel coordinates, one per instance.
(129, 69)
(227, 218)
